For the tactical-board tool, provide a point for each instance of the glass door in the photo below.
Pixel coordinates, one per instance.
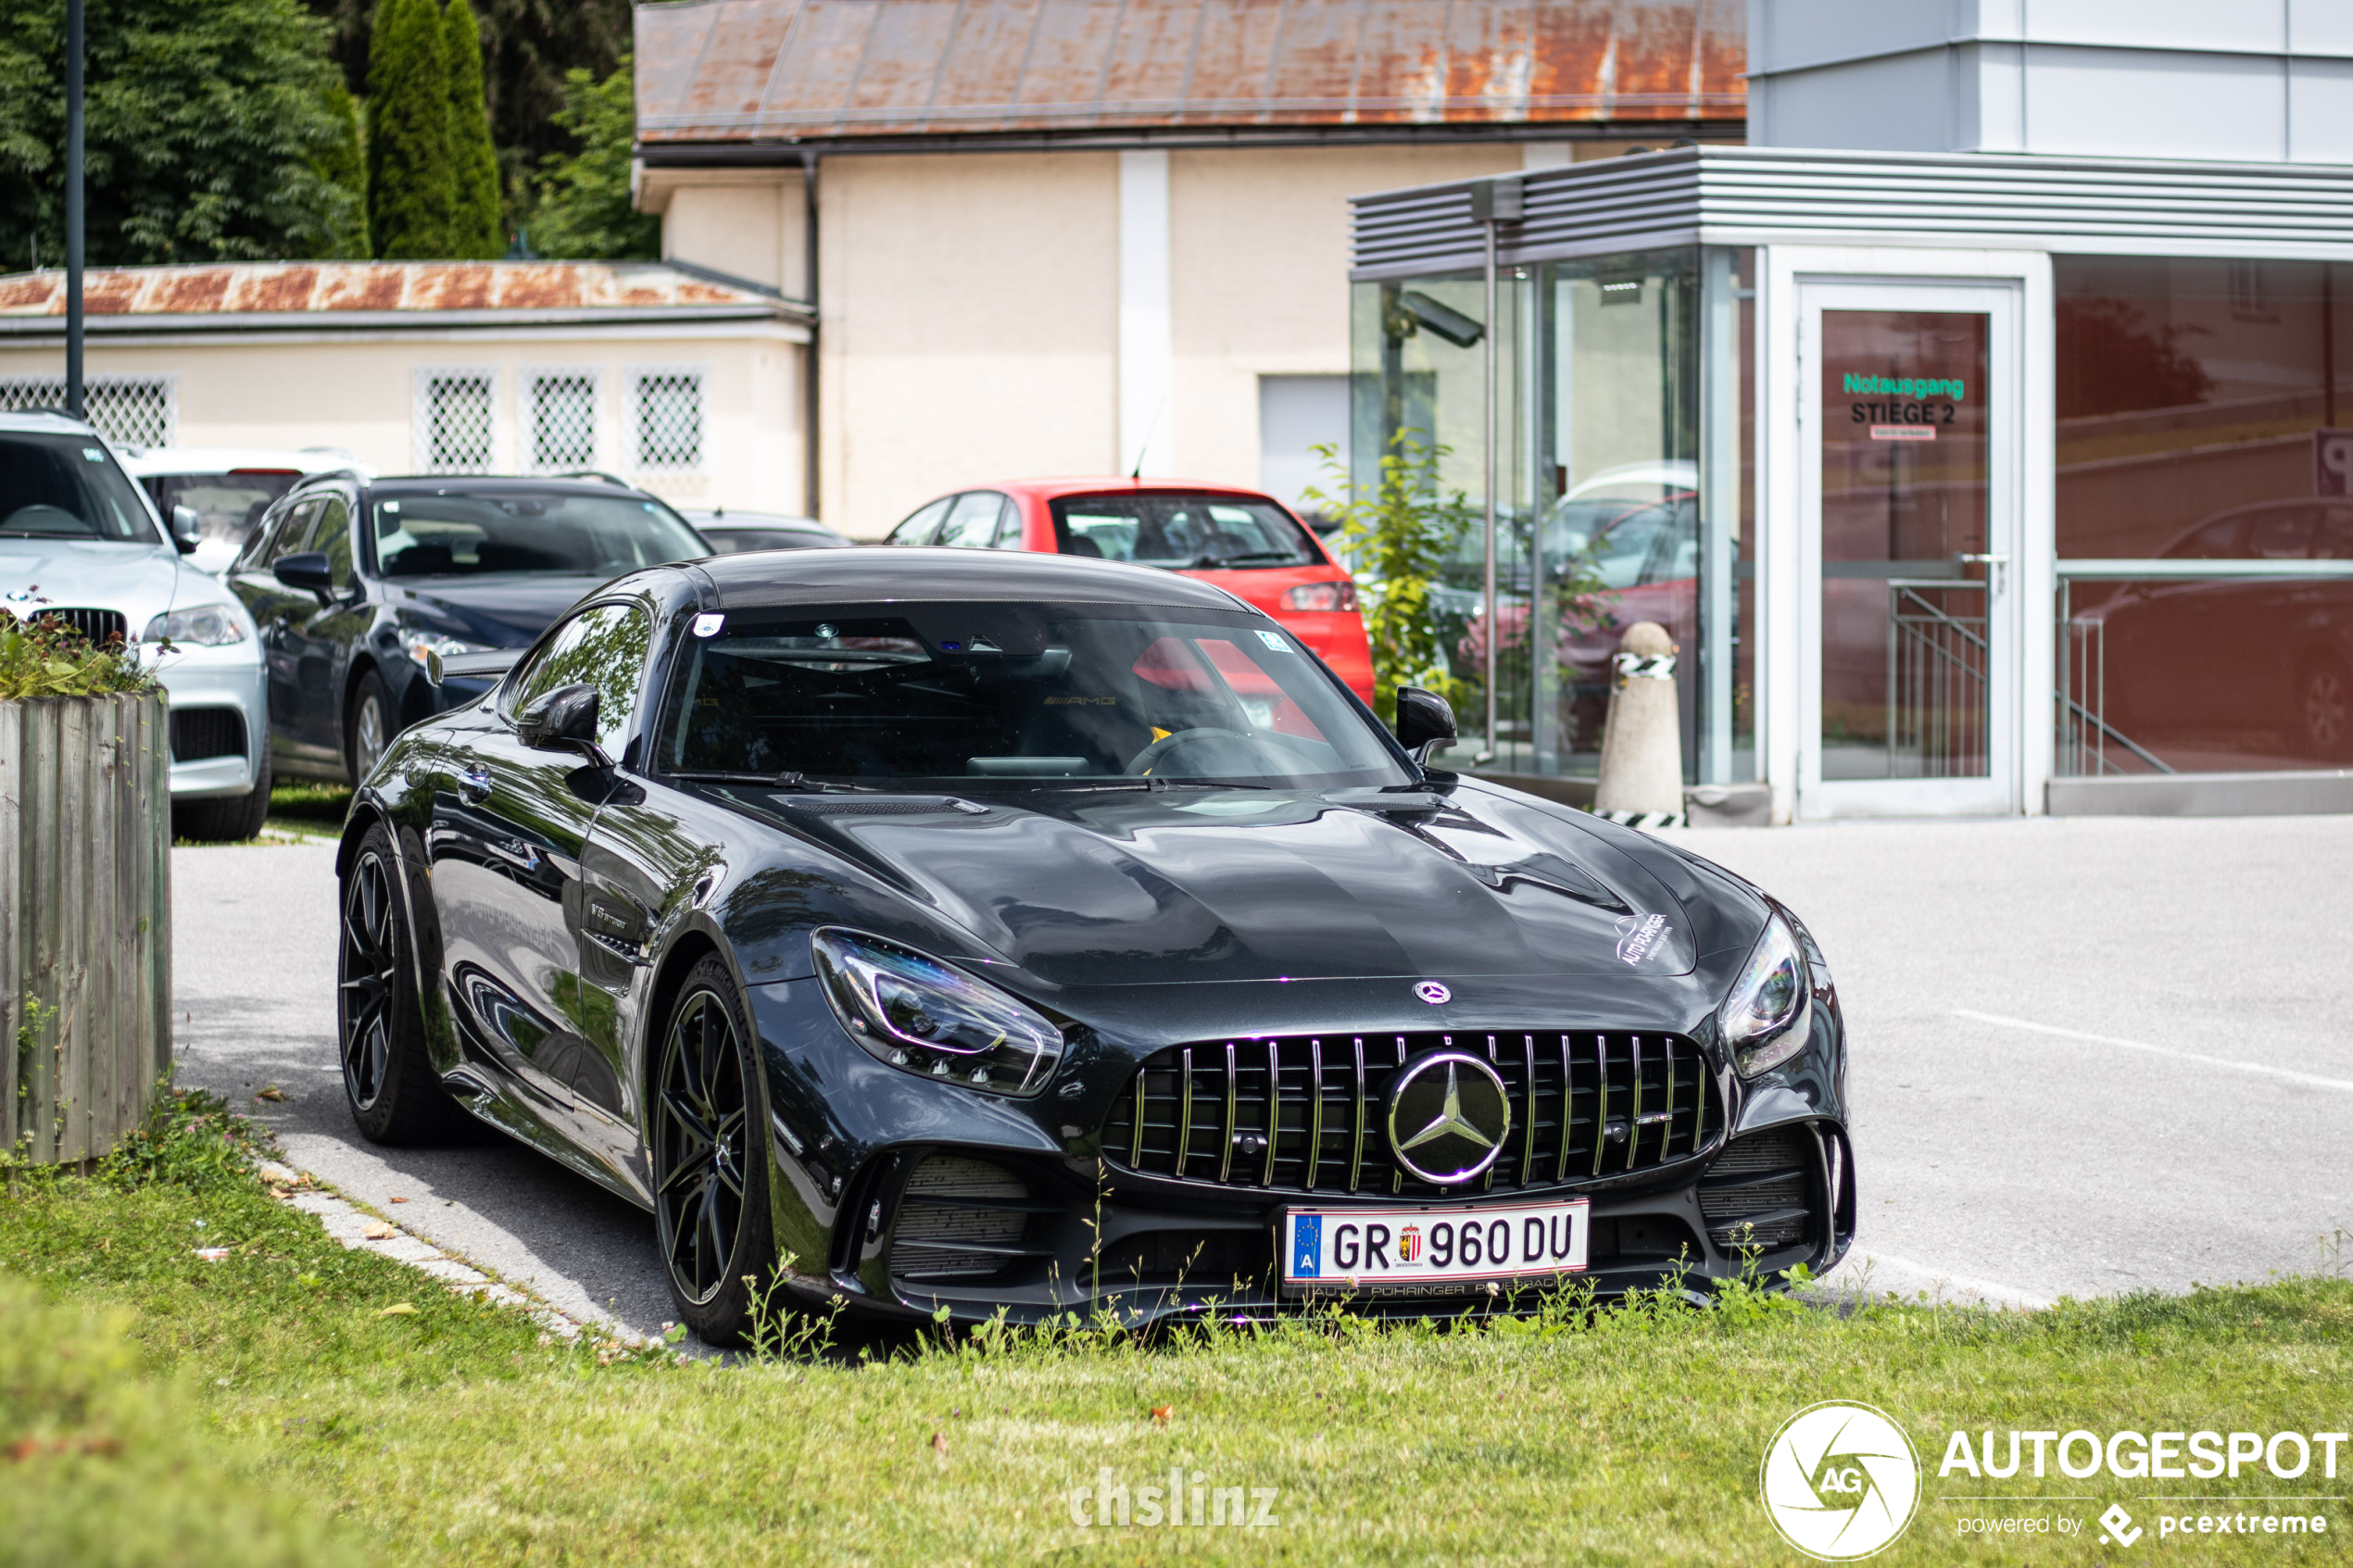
(1910, 465)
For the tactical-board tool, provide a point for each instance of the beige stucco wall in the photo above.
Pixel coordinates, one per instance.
(970, 302)
(969, 308)
(747, 222)
(1259, 265)
(361, 396)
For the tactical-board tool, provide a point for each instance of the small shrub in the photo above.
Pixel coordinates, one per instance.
(47, 658)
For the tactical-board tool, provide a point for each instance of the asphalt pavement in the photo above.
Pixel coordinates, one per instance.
(2090, 1056)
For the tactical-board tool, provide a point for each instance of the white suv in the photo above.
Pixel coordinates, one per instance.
(82, 543)
(227, 487)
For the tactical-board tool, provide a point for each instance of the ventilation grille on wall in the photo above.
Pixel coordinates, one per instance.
(127, 410)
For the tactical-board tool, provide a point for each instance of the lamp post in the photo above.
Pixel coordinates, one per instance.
(74, 208)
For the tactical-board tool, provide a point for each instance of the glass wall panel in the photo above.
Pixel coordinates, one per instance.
(2202, 465)
(1601, 520)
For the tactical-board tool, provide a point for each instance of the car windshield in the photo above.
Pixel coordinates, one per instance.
(736, 541)
(228, 505)
(576, 536)
(66, 486)
(1186, 532)
(890, 693)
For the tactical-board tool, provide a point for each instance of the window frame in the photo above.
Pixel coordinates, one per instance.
(528, 380)
(421, 417)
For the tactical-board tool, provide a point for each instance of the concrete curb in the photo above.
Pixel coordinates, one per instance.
(360, 1231)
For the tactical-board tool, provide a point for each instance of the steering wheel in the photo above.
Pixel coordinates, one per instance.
(1160, 750)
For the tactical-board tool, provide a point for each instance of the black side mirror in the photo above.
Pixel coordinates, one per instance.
(564, 719)
(306, 571)
(1425, 721)
(187, 529)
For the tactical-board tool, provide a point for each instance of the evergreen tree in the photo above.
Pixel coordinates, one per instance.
(208, 127)
(584, 207)
(412, 175)
(344, 165)
(476, 229)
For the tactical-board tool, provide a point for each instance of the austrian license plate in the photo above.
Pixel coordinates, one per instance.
(1433, 1251)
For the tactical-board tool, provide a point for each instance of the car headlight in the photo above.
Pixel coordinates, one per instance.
(1769, 1008)
(206, 626)
(923, 1016)
(417, 644)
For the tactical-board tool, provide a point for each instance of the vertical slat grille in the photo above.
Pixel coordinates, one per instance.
(1293, 1114)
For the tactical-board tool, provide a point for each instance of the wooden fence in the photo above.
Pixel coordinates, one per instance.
(86, 920)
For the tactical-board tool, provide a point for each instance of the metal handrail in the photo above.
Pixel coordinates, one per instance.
(2128, 570)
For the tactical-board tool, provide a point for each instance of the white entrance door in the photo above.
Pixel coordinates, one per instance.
(1907, 584)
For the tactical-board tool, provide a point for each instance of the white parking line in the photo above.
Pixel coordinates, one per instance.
(2309, 1079)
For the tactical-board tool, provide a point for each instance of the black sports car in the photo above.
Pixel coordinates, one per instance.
(928, 929)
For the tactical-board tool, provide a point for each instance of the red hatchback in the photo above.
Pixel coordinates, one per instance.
(1248, 544)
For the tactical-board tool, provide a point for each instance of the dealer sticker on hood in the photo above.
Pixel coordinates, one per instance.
(1640, 936)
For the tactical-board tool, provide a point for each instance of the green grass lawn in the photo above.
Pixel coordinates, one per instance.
(307, 808)
(278, 1405)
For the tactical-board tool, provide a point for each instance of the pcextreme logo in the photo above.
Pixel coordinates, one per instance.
(1840, 1481)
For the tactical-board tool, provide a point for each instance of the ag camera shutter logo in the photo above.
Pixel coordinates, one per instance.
(1840, 1481)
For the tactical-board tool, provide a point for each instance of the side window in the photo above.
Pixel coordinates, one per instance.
(972, 522)
(918, 529)
(604, 645)
(1008, 527)
(293, 534)
(331, 537)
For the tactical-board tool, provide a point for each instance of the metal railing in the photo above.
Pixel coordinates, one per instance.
(1936, 681)
(2089, 744)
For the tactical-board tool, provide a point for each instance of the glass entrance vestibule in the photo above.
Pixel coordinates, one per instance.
(1963, 483)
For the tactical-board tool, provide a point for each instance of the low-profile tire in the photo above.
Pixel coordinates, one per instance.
(709, 1156)
(231, 821)
(394, 1095)
(368, 727)
(2324, 710)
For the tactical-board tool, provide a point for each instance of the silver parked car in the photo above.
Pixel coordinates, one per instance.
(82, 543)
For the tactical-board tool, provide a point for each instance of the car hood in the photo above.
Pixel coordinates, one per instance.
(1122, 888)
(142, 581)
(499, 609)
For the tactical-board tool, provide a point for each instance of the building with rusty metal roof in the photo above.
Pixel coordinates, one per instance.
(1081, 235)
(678, 381)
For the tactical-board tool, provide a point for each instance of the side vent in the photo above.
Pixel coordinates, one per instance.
(1755, 1194)
(963, 1220)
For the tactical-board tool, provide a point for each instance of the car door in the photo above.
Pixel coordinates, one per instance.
(273, 605)
(318, 638)
(505, 851)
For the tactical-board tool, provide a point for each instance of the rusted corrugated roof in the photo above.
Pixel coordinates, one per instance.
(737, 71)
(259, 288)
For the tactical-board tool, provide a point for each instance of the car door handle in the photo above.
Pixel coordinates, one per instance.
(474, 784)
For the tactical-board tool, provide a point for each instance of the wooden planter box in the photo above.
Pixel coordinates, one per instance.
(86, 920)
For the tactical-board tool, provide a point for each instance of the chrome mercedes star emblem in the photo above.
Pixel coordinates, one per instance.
(1463, 1132)
(1433, 992)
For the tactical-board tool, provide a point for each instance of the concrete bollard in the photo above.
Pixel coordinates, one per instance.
(1641, 781)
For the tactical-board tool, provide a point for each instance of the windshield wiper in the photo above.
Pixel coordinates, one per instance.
(1210, 563)
(1200, 784)
(788, 780)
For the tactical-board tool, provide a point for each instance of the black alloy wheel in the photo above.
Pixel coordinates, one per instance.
(370, 731)
(394, 1095)
(709, 1163)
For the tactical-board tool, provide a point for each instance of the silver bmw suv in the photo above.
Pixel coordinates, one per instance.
(80, 541)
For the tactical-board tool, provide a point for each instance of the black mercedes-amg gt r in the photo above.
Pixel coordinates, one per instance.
(924, 929)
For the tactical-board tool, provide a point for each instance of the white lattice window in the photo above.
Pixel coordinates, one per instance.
(559, 419)
(455, 424)
(666, 417)
(127, 410)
